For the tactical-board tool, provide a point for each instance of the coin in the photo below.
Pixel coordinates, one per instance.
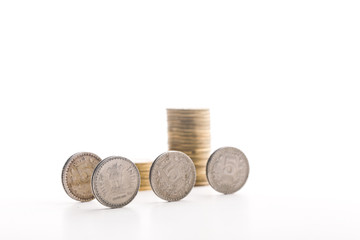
(189, 132)
(176, 123)
(172, 175)
(184, 141)
(115, 182)
(187, 129)
(145, 188)
(145, 165)
(76, 175)
(227, 170)
(205, 183)
(187, 110)
(144, 169)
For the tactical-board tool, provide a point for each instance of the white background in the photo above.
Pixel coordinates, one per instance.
(281, 79)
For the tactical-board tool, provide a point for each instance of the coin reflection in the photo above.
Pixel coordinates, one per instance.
(86, 220)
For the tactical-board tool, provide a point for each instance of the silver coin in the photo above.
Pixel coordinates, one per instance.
(115, 182)
(76, 175)
(172, 175)
(227, 170)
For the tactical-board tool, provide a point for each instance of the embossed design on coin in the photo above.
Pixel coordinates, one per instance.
(115, 182)
(227, 170)
(76, 175)
(172, 175)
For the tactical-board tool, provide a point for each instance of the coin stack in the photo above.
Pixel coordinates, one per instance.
(144, 169)
(189, 132)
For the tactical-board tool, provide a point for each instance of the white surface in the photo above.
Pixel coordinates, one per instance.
(202, 215)
(281, 79)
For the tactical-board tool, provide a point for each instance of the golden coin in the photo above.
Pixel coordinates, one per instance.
(198, 156)
(181, 128)
(189, 133)
(203, 183)
(206, 140)
(187, 111)
(200, 169)
(143, 165)
(188, 121)
(189, 140)
(199, 160)
(144, 174)
(183, 135)
(188, 130)
(188, 127)
(201, 174)
(144, 170)
(188, 137)
(188, 116)
(175, 131)
(145, 188)
(189, 144)
(187, 148)
(200, 164)
(201, 178)
(198, 151)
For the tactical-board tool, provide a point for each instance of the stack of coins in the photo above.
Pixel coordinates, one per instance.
(189, 132)
(144, 169)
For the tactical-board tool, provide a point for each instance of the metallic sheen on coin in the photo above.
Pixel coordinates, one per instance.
(227, 170)
(115, 182)
(76, 175)
(172, 175)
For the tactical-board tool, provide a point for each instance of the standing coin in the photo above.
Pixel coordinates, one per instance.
(227, 170)
(172, 175)
(115, 182)
(76, 175)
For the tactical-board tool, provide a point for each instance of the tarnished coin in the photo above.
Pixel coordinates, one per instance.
(227, 170)
(76, 175)
(115, 182)
(172, 175)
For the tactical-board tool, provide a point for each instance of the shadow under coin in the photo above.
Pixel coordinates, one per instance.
(91, 220)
